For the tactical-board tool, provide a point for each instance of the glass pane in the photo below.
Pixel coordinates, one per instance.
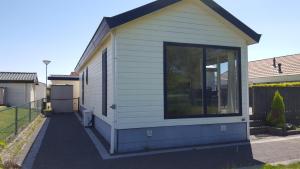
(184, 80)
(222, 85)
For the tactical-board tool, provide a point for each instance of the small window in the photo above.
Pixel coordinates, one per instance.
(104, 82)
(82, 88)
(87, 75)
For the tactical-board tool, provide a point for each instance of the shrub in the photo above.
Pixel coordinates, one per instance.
(277, 115)
(279, 85)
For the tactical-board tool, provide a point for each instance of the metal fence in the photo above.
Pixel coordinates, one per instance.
(15, 119)
(261, 99)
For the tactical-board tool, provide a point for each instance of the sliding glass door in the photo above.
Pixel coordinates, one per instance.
(201, 81)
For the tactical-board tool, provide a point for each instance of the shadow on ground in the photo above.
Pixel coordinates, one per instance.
(67, 146)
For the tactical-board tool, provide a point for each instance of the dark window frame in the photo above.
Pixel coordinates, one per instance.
(82, 88)
(87, 75)
(104, 82)
(204, 46)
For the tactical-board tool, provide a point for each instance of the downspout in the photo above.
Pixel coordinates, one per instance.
(114, 106)
(246, 85)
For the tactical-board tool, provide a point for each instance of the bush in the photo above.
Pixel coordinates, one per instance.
(277, 115)
(279, 85)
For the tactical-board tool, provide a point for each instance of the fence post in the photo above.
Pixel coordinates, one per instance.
(16, 121)
(30, 112)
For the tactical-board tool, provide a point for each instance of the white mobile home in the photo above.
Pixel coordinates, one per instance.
(21, 88)
(152, 76)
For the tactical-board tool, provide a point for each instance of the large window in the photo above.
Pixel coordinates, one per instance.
(201, 81)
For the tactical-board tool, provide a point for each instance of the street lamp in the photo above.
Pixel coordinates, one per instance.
(46, 63)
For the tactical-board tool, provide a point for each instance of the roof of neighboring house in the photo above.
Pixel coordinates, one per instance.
(63, 77)
(18, 77)
(290, 65)
(109, 23)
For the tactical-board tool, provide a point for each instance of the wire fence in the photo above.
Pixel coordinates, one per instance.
(14, 119)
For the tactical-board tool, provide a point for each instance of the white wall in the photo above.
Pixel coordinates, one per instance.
(139, 44)
(93, 90)
(18, 93)
(276, 79)
(76, 89)
(40, 91)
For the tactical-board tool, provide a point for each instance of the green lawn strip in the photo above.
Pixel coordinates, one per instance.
(7, 121)
(12, 150)
(290, 166)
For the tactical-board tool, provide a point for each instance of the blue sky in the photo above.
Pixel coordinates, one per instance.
(34, 30)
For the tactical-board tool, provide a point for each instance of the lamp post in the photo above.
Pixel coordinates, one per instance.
(47, 62)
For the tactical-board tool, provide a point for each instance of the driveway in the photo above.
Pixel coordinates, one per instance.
(66, 145)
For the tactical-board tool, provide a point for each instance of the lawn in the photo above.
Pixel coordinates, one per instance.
(291, 166)
(7, 120)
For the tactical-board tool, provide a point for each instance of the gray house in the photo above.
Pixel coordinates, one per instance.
(152, 76)
(20, 87)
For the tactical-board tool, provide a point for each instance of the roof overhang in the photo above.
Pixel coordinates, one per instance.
(108, 23)
(17, 81)
(63, 78)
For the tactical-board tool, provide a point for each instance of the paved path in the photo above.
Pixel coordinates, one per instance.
(67, 146)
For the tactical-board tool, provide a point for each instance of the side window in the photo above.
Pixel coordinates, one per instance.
(104, 82)
(82, 88)
(87, 75)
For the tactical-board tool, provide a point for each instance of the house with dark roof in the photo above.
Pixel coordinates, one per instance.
(20, 88)
(275, 70)
(152, 76)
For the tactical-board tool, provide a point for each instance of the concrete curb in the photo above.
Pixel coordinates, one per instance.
(34, 145)
(268, 140)
(287, 162)
(100, 148)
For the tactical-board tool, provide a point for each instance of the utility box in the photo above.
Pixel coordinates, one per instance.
(3, 95)
(87, 118)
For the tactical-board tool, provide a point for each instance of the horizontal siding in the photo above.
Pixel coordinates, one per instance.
(93, 90)
(18, 94)
(139, 47)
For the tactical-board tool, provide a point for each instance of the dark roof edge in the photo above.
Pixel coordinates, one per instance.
(17, 81)
(108, 23)
(232, 19)
(133, 14)
(63, 78)
(101, 28)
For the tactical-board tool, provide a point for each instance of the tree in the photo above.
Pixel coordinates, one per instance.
(277, 115)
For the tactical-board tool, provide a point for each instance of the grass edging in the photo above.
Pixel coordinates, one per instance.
(17, 150)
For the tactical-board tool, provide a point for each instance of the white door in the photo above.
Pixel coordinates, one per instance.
(62, 98)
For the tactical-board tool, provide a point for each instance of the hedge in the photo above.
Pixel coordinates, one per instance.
(285, 84)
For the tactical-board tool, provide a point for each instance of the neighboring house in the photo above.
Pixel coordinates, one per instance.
(152, 76)
(72, 80)
(275, 70)
(21, 87)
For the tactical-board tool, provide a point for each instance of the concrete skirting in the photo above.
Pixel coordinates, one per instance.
(164, 137)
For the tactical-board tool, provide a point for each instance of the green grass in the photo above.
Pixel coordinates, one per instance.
(7, 120)
(291, 166)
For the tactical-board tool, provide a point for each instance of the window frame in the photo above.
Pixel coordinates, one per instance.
(204, 47)
(104, 82)
(87, 75)
(82, 88)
